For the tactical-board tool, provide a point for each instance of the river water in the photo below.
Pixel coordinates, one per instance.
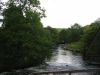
(61, 60)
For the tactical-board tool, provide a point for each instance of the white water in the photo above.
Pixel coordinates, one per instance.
(66, 58)
(60, 60)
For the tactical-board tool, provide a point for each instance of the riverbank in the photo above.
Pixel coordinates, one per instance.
(75, 47)
(60, 60)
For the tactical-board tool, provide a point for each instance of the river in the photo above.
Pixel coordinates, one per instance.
(61, 60)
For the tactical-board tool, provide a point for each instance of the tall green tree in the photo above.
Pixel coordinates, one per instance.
(63, 36)
(91, 39)
(23, 41)
(72, 34)
(53, 33)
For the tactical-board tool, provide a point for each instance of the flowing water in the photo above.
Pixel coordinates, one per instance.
(60, 60)
(64, 60)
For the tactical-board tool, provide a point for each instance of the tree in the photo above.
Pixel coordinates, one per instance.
(53, 33)
(91, 41)
(63, 36)
(22, 38)
(76, 32)
(72, 34)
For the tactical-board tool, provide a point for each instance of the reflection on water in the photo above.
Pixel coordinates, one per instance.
(66, 58)
(60, 60)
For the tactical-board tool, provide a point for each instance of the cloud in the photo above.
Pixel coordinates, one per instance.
(63, 13)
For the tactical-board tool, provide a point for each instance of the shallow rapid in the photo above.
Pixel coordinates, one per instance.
(61, 60)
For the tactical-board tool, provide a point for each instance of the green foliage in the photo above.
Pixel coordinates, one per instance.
(23, 40)
(72, 34)
(63, 36)
(16, 16)
(89, 33)
(52, 34)
(76, 32)
(75, 46)
(91, 42)
(88, 43)
(85, 40)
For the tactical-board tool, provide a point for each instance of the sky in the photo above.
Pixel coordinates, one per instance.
(64, 13)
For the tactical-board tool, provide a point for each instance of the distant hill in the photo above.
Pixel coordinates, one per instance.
(59, 29)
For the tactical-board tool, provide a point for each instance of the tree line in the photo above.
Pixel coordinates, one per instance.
(23, 40)
(84, 39)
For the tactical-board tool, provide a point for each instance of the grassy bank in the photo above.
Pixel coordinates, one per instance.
(75, 46)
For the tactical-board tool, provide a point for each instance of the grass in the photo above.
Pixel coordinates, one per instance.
(75, 46)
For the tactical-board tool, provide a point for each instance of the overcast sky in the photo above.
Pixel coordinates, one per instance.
(64, 13)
